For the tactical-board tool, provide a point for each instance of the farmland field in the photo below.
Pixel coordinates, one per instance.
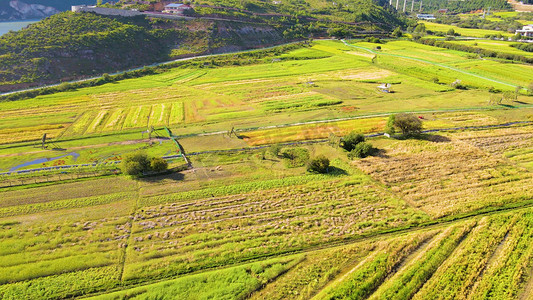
(442, 214)
(464, 31)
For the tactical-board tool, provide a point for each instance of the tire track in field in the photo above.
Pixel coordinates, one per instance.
(122, 259)
(430, 62)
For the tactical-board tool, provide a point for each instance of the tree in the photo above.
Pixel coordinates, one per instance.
(397, 32)
(158, 164)
(530, 88)
(390, 125)
(509, 96)
(275, 149)
(135, 164)
(451, 32)
(362, 150)
(351, 140)
(407, 123)
(517, 90)
(319, 164)
(420, 29)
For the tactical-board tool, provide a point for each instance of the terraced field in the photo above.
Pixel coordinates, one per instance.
(440, 215)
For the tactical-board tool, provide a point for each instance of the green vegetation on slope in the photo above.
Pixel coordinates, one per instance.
(465, 6)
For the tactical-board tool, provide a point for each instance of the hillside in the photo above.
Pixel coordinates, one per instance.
(70, 46)
(67, 46)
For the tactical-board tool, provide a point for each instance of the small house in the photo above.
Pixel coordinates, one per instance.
(425, 16)
(526, 31)
(176, 8)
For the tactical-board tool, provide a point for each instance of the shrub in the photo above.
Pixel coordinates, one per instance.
(362, 150)
(296, 157)
(157, 164)
(319, 164)
(407, 123)
(275, 149)
(351, 140)
(390, 125)
(397, 32)
(138, 163)
(135, 164)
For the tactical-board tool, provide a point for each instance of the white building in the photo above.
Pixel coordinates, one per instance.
(526, 31)
(425, 16)
(176, 8)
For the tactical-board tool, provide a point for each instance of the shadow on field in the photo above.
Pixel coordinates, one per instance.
(425, 137)
(434, 138)
(381, 153)
(520, 102)
(176, 176)
(507, 105)
(336, 171)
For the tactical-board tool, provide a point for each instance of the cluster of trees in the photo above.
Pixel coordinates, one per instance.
(476, 50)
(139, 163)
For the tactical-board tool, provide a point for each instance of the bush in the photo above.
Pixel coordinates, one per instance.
(407, 123)
(135, 164)
(351, 140)
(397, 32)
(390, 125)
(295, 157)
(319, 164)
(138, 163)
(157, 164)
(274, 149)
(362, 150)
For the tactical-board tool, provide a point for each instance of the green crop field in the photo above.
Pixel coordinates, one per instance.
(500, 46)
(444, 214)
(472, 32)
